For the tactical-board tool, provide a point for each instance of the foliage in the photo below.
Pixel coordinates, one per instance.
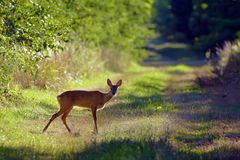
(28, 31)
(29, 25)
(112, 23)
(205, 23)
(214, 22)
(229, 60)
(33, 31)
(225, 66)
(163, 17)
(181, 10)
(75, 62)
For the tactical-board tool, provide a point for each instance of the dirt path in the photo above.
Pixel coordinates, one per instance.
(196, 129)
(201, 124)
(159, 113)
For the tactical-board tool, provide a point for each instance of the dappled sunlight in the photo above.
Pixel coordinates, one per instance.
(157, 113)
(136, 114)
(180, 68)
(177, 62)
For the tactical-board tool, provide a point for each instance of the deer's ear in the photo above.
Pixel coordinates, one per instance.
(119, 83)
(109, 82)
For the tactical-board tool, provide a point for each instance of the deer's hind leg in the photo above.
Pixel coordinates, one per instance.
(54, 116)
(64, 116)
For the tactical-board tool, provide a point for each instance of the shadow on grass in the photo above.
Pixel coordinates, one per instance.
(11, 153)
(164, 53)
(201, 108)
(151, 150)
(201, 129)
(128, 149)
(120, 150)
(20, 153)
(141, 105)
(176, 52)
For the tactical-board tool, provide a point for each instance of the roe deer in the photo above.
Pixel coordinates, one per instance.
(93, 100)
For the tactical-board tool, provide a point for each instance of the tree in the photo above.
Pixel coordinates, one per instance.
(182, 10)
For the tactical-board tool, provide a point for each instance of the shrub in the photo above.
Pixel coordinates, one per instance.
(33, 35)
(52, 72)
(228, 67)
(225, 65)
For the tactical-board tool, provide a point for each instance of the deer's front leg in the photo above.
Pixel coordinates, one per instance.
(94, 114)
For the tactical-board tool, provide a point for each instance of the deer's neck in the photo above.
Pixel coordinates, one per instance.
(108, 96)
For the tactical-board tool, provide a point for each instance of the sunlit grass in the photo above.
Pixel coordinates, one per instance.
(171, 45)
(139, 123)
(122, 122)
(181, 68)
(202, 131)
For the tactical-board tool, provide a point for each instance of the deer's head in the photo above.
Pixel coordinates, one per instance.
(114, 88)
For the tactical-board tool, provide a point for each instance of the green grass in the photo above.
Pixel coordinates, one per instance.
(123, 124)
(98, 80)
(181, 68)
(156, 115)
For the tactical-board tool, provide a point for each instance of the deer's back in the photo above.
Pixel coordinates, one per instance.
(81, 98)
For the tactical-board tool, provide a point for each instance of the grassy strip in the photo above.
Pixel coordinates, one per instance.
(123, 122)
(140, 123)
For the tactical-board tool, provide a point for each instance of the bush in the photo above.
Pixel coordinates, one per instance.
(228, 66)
(52, 72)
(225, 66)
(34, 33)
(214, 22)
